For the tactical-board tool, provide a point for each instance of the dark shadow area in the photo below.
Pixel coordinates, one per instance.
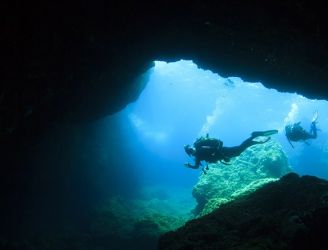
(53, 185)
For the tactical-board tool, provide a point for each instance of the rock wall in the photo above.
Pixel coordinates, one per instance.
(287, 214)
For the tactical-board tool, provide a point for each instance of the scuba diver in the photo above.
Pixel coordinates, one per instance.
(295, 132)
(211, 150)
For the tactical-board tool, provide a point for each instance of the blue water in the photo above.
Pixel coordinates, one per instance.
(105, 177)
(140, 149)
(182, 102)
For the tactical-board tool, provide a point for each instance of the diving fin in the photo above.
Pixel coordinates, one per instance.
(315, 117)
(264, 133)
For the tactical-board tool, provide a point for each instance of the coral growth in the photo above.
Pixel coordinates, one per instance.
(138, 223)
(255, 167)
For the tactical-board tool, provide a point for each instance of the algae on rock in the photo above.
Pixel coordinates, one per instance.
(138, 222)
(256, 166)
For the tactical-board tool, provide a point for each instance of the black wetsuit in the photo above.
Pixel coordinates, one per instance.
(206, 149)
(211, 150)
(295, 132)
(231, 152)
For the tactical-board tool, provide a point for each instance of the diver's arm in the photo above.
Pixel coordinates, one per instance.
(197, 164)
(191, 166)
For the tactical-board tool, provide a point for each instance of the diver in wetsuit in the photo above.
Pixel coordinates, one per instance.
(211, 150)
(295, 132)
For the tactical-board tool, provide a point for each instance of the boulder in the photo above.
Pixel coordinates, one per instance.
(255, 167)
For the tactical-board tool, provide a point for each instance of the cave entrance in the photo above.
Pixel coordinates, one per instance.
(182, 102)
(144, 142)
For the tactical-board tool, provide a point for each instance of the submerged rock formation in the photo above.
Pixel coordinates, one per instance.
(255, 167)
(291, 213)
(134, 223)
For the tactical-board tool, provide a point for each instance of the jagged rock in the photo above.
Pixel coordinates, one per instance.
(291, 213)
(255, 167)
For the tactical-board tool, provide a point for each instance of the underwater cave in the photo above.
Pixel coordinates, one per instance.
(126, 171)
(92, 129)
(182, 102)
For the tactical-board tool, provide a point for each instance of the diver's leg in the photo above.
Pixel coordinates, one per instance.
(313, 130)
(312, 134)
(250, 142)
(230, 152)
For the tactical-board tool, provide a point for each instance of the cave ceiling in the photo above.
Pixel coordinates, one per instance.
(79, 62)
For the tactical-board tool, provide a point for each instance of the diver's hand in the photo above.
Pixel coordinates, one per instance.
(187, 164)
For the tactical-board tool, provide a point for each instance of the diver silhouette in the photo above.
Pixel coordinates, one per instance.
(295, 132)
(211, 150)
